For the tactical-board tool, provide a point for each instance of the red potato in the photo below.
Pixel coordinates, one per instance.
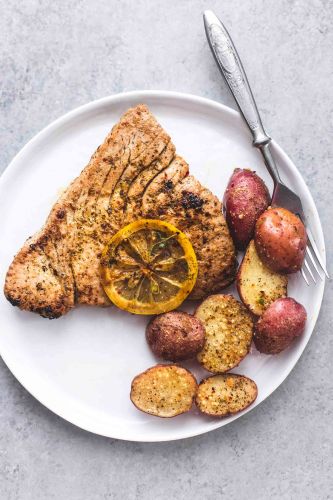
(279, 326)
(280, 239)
(175, 335)
(245, 199)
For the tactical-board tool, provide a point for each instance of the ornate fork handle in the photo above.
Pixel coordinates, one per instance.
(232, 69)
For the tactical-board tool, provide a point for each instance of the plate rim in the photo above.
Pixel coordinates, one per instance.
(195, 99)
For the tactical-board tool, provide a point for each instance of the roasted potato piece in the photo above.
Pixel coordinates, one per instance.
(281, 323)
(257, 285)
(164, 390)
(229, 330)
(245, 198)
(223, 395)
(175, 335)
(280, 240)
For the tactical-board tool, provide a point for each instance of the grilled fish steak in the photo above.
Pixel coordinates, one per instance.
(134, 174)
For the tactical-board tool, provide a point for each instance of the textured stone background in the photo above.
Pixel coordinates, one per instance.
(57, 55)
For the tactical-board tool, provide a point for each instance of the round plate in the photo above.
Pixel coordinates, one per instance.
(81, 365)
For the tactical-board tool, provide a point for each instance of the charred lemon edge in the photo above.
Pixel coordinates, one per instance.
(147, 308)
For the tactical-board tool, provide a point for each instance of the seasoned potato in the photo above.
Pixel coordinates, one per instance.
(229, 330)
(175, 335)
(164, 390)
(280, 324)
(257, 285)
(223, 395)
(280, 240)
(245, 198)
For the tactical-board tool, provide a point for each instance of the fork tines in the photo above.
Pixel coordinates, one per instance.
(314, 258)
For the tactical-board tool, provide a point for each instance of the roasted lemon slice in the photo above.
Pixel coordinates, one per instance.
(148, 267)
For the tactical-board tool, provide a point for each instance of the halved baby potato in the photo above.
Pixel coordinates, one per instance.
(164, 390)
(223, 395)
(229, 330)
(257, 285)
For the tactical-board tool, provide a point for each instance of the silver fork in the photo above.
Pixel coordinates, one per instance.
(232, 69)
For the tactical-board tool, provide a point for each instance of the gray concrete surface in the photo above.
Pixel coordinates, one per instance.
(58, 55)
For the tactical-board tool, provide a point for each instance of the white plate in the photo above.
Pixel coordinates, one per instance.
(81, 366)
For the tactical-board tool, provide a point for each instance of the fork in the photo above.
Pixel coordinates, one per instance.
(230, 65)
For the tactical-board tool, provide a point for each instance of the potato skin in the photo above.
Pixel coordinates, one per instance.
(175, 335)
(281, 323)
(245, 199)
(280, 240)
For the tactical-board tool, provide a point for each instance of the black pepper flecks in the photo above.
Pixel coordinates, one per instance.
(191, 200)
(61, 213)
